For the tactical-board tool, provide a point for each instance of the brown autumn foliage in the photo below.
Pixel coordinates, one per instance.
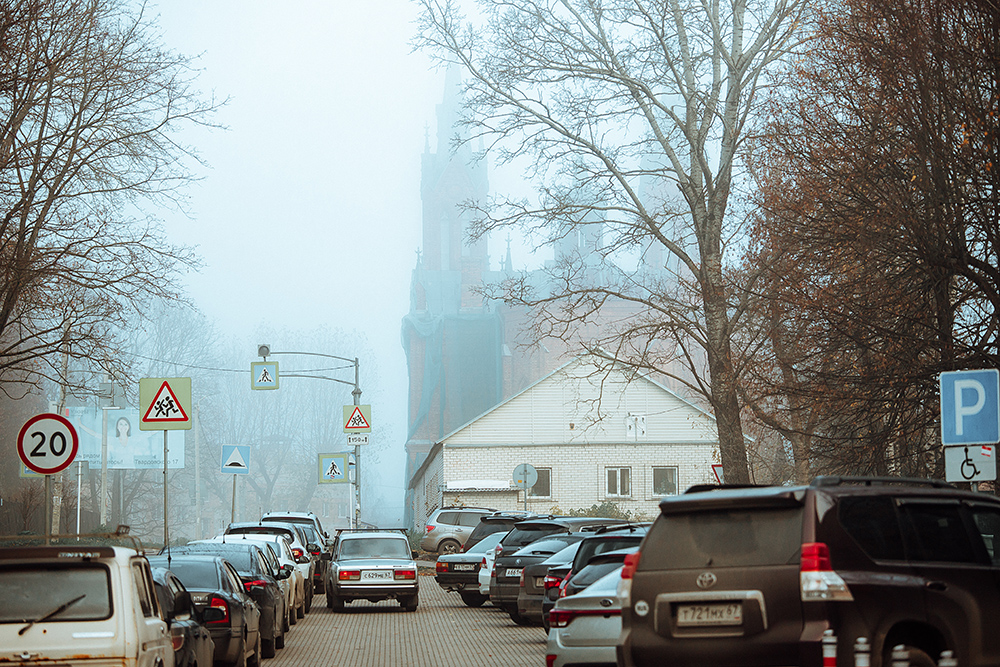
(877, 232)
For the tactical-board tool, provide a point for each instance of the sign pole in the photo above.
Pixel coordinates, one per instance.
(232, 515)
(166, 532)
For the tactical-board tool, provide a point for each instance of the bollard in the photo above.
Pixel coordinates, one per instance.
(900, 656)
(862, 653)
(829, 649)
(947, 659)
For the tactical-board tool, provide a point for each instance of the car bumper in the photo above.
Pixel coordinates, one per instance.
(451, 581)
(592, 656)
(375, 591)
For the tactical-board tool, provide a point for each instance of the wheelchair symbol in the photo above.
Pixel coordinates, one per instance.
(967, 464)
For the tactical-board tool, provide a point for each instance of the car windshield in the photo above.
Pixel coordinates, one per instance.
(32, 591)
(564, 556)
(194, 574)
(374, 547)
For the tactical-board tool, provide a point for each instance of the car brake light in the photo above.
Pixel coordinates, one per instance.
(631, 563)
(560, 618)
(520, 581)
(550, 660)
(298, 553)
(256, 582)
(349, 575)
(219, 603)
(440, 567)
(552, 581)
(817, 579)
(177, 641)
(482, 565)
(429, 528)
(404, 574)
(562, 584)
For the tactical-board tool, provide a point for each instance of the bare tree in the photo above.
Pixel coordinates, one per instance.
(91, 102)
(608, 99)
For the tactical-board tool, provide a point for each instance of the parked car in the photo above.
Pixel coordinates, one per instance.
(609, 538)
(318, 541)
(448, 528)
(259, 580)
(229, 613)
(764, 571)
(62, 602)
(509, 568)
(497, 522)
(486, 572)
(280, 557)
(304, 560)
(597, 567)
(460, 572)
(374, 566)
(191, 640)
(532, 585)
(584, 628)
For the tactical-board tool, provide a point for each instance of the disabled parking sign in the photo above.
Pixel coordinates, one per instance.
(970, 407)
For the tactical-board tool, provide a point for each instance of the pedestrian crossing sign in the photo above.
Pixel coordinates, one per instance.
(264, 375)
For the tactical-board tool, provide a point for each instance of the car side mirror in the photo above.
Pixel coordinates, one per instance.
(182, 606)
(313, 548)
(282, 573)
(212, 614)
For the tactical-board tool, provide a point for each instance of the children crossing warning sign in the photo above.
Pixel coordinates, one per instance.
(357, 419)
(165, 404)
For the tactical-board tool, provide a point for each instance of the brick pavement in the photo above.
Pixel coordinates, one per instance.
(443, 632)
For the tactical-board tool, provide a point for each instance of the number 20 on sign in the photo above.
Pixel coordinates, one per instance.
(47, 443)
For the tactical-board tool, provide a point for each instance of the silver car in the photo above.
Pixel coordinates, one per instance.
(372, 565)
(584, 628)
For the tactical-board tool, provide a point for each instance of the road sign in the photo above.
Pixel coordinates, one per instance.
(355, 439)
(47, 443)
(165, 404)
(236, 459)
(525, 476)
(970, 463)
(333, 469)
(357, 419)
(264, 375)
(717, 471)
(970, 407)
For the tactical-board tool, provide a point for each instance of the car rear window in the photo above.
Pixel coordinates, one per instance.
(264, 530)
(598, 545)
(32, 591)
(732, 538)
(374, 547)
(522, 535)
(194, 574)
(548, 546)
(872, 522)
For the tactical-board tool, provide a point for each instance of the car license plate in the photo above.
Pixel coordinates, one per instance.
(463, 567)
(513, 571)
(730, 613)
(376, 575)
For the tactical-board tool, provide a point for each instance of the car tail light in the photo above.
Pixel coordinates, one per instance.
(520, 581)
(404, 574)
(560, 618)
(177, 640)
(430, 528)
(219, 603)
(482, 564)
(631, 562)
(562, 584)
(550, 660)
(552, 581)
(817, 579)
(440, 567)
(255, 582)
(298, 553)
(497, 551)
(349, 575)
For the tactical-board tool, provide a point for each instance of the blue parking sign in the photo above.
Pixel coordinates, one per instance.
(970, 407)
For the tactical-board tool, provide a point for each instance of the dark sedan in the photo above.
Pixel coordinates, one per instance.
(231, 616)
(191, 640)
(529, 597)
(259, 581)
(460, 571)
(509, 567)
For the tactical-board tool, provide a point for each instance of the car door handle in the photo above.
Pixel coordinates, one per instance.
(936, 585)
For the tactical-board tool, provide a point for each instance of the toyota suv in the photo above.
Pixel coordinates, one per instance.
(755, 576)
(449, 527)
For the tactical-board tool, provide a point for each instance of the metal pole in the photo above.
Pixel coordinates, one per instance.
(104, 468)
(48, 507)
(197, 474)
(357, 451)
(79, 483)
(166, 532)
(232, 516)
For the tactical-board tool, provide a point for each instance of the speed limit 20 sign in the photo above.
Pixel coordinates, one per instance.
(47, 444)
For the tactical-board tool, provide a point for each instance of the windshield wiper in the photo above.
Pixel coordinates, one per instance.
(55, 612)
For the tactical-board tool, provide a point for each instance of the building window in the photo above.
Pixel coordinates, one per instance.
(543, 487)
(619, 482)
(665, 481)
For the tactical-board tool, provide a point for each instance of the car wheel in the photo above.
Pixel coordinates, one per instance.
(309, 601)
(279, 641)
(286, 620)
(449, 547)
(409, 603)
(268, 647)
(519, 619)
(473, 599)
(300, 611)
(917, 657)
(334, 602)
(254, 660)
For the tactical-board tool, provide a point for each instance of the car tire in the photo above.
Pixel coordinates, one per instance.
(917, 657)
(519, 619)
(409, 603)
(334, 602)
(473, 599)
(268, 647)
(309, 601)
(279, 641)
(286, 620)
(254, 660)
(449, 546)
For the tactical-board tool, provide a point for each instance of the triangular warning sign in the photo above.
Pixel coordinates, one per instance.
(165, 407)
(235, 460)
(357, 420)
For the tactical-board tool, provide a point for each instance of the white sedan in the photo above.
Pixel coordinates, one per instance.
(584, 628)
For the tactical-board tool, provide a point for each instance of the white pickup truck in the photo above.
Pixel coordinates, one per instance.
(78, 605)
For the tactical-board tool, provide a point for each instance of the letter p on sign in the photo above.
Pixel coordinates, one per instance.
(970, 407)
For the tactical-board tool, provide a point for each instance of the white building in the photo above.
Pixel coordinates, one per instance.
(592, 435)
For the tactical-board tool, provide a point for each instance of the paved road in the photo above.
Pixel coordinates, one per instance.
(442, 632)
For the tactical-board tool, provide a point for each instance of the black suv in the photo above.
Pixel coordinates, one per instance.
(494, 523)
(754, 576)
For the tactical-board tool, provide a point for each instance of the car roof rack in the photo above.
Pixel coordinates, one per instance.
(699, 488)
(371, 530)
(839, 480)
